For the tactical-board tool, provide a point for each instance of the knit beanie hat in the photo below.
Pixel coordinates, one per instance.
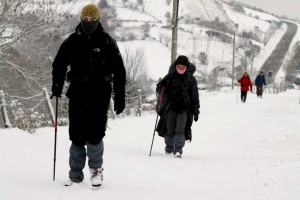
(90, 10)
(183, 60)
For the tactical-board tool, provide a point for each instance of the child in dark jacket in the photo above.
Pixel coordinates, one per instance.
(245, 85)
(178, 106)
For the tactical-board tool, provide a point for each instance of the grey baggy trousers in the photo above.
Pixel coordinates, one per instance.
(78, 156)
(175, 130)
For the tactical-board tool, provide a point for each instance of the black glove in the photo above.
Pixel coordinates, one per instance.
(196, 117)
(56, 90)
(119, 107)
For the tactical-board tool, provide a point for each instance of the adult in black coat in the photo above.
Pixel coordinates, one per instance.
(178, 105)
(96, 66)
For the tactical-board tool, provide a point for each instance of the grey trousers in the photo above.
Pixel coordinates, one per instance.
(176, 121)
(78, 156)
(175, 139)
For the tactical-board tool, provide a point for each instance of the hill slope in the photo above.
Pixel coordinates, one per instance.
(199, 32)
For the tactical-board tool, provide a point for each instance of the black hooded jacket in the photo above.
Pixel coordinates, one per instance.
(96, 66)
(95, 63)
(168, 89)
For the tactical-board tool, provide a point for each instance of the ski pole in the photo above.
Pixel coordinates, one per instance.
(153, 134)
(55, 137)
(159, 104)
(237, 94)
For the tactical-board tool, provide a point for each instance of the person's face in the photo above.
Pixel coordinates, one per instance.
(261, 73)
(89, 24)
(245, 74)
(88, 19)
(180, 68)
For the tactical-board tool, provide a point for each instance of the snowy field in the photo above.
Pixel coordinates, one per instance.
(246, 23)
(240, 151)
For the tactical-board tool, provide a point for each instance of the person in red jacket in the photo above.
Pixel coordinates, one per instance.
(245, 85)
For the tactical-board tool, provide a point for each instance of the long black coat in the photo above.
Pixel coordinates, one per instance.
(166, 89)
(96, 66)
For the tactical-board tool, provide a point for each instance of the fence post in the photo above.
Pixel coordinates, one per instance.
(4, 111)
(49, 106)
(140, 102)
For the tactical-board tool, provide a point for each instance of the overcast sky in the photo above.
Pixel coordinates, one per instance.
(290, 8)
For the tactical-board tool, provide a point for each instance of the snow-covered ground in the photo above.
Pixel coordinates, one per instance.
(246, 23)
(204, 9)
(240, 151)
(128, 14)
(260, 15)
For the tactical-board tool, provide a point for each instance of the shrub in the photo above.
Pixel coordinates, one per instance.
(27, 119)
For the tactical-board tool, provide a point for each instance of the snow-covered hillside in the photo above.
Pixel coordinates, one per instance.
(205, 10)
(245, 22)
(192, 37)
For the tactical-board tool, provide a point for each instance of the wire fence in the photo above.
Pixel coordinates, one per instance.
(36, 111)
(30, 113)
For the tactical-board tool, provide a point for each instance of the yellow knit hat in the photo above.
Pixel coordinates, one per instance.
(90, 10)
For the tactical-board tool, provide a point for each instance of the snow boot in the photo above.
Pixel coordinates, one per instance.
(169, 149)
(71, 182)
(177, 154)
(96, 177)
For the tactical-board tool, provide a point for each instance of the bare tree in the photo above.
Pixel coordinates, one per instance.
(135, 64)
(136, 71)
(108, 16)
(163, 38)
(30, 32)
(168, 2)
(26, 40)
(137, 80)
(103, 4)
(293, 63)
(141, 2)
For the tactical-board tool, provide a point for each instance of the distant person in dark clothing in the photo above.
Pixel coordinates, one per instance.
(260, 81)
(246, 84)
(179, 105)
(96, 67)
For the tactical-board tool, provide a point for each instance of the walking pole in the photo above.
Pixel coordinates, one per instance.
(153, 134)
(55, 137)
(160, 101)
(237, 93)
